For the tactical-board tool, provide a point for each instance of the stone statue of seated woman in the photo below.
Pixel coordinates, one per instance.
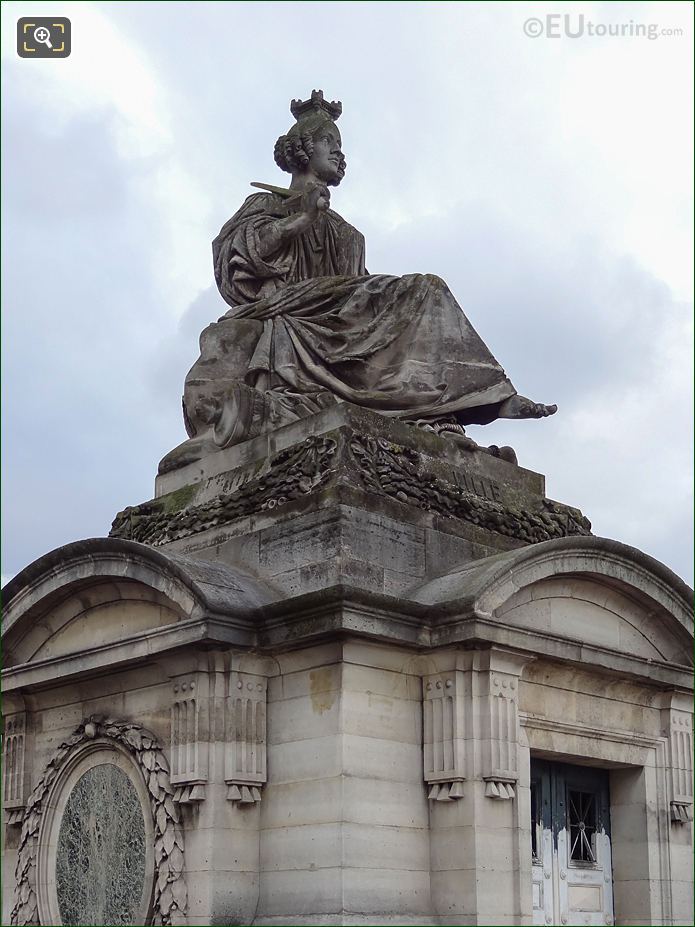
(309, 326)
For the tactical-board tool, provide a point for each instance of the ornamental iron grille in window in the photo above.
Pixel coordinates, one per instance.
(581, 815)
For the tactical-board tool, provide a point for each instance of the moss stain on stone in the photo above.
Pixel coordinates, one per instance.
(178, 500)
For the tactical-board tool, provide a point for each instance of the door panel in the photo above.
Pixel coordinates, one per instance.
(541, 845)
(571, 867)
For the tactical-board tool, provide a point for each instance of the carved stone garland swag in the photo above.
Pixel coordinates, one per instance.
(170, 894)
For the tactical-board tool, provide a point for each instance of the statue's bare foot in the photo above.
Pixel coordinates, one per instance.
(521, 407)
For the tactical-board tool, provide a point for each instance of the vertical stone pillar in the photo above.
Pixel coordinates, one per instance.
(443, 735)
(637, 826)
(217, 759)
(17, 753)
(385, 857)
(301, 812)
(477, 841)
(498, 690)
(677, 726)
(344, 815)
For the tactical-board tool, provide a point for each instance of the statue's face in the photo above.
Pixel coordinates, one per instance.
(327, 159)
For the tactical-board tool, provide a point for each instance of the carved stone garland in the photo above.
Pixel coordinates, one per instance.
(292, 474)
(381, 467)
(393, 470)
(170, 894)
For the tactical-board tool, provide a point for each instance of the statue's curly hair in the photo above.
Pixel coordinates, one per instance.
(293, 151)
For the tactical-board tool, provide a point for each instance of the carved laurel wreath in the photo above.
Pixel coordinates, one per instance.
(170, 895)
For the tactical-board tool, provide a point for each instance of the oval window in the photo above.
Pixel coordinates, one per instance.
(101, 854)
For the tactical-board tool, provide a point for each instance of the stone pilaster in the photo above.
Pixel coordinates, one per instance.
(678, 729)
(443, 734)
(496, 684)
(245, 741)
(477, 841)
(13, 766)
(190, 736)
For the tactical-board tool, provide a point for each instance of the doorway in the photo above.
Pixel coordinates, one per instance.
(570, 845)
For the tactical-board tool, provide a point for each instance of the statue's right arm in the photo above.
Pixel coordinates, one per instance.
(273, 235)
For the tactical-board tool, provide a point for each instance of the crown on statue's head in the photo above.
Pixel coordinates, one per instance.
(316, 104)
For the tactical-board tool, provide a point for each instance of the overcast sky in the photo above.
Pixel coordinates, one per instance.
(547, 180)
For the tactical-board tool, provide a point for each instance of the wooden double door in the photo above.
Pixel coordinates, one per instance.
(570, 843)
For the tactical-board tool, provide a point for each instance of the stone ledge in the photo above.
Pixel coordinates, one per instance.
(364, 422)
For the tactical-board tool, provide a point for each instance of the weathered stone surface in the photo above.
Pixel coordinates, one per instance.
(476, 462)
(344, 826)
(350, 646)
(365, 454)
(306, 605)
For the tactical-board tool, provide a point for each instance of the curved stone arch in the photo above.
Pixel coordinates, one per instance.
(483, 587)
(170, 893)
(600, 559)
(93, 561)
(189, 588)
(591, 592)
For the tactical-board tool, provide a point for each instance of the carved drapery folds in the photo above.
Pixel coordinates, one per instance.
(13, 777)
(245, 741)
(443, 735)
(680, 738)
(190, 737)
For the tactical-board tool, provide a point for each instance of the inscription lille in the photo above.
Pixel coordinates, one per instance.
(478, 485)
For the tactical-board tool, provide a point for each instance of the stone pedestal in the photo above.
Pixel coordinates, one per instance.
(348, 497)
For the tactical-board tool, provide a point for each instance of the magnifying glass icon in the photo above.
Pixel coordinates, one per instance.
(43, 36)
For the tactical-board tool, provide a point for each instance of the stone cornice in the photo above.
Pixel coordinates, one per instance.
(341, 612)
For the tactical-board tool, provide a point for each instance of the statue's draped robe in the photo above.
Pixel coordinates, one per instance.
(399, 345)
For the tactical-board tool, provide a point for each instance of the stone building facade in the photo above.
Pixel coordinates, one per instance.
(348, 673)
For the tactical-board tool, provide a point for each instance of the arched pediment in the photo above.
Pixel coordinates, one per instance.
(95, 593)
(588, 590)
